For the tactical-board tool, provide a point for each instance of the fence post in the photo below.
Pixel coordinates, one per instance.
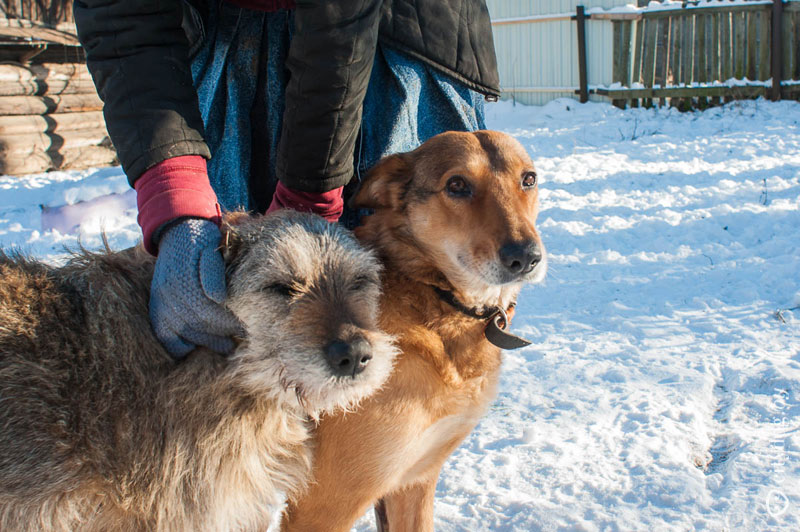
(777, 48)
(584, 83)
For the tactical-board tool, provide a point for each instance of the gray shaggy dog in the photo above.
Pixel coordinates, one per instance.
(100, 430)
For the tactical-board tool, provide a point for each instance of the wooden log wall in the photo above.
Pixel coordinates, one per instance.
(50, 119)
(49, 12)
(663, 54)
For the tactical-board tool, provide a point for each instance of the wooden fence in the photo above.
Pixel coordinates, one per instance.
(690, 54)
(710, 50)
(48, 12)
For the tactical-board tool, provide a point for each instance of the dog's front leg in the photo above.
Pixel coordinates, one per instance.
(381, 519)
(349, 473)
(409, 509)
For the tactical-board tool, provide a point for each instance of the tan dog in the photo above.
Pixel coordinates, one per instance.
(101, 431)
(453, 223)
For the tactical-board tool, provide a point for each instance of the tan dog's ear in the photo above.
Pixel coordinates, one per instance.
(385, 183)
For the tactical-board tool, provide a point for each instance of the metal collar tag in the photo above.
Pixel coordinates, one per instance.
(497, 335)
(499, 321)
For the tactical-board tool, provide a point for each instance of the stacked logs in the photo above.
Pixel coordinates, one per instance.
(50, 119)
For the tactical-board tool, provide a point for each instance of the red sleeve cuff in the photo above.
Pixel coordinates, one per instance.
(329, 204)
(174, 188)
(264, 5)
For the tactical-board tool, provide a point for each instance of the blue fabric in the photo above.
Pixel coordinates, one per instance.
(188, 290)
(241, 80)
(408, 102)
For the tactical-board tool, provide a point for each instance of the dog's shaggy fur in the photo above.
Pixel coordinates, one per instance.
(452, 215)
(100, 430)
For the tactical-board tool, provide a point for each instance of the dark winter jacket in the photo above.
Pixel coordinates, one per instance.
(138, 54)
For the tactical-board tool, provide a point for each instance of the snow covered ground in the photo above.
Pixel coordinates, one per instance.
(662, 391)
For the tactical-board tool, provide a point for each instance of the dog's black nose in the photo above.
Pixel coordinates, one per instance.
(348, 358)
(520, 257)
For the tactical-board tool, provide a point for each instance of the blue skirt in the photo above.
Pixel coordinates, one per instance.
(240, 79)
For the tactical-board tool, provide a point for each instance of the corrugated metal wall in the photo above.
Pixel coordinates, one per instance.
(538, 58)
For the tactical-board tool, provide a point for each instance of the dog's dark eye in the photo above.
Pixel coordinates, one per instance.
(529, 180)
(458, 187)
(281, 289)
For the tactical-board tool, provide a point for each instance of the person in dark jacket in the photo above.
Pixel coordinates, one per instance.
(263, 104)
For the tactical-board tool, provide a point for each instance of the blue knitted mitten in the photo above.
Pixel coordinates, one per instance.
(188, 290)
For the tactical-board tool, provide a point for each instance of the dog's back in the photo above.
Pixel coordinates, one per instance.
(67, 378)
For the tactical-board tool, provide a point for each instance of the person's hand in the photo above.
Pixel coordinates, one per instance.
(188, 290)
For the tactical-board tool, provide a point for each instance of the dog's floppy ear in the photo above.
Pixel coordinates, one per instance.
(231, 240)
(385, 184)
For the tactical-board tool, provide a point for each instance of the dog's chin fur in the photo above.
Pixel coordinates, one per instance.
(481, 283)
(341, 393)
(311, 389)
(487, 283)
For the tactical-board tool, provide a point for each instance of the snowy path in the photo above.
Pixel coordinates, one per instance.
(662, 391)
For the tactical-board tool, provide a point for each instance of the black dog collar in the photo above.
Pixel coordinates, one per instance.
(495, 330)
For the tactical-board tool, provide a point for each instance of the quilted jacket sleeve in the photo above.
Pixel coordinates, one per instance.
(137, 53)
(330, 61)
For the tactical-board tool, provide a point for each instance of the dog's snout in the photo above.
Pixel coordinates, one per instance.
(520, 258)
(348, 358)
